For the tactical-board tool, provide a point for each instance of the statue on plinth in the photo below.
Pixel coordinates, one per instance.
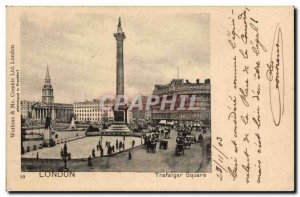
(48, 140)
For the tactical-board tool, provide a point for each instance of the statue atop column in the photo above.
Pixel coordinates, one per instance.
(120, 37)
(120, 114)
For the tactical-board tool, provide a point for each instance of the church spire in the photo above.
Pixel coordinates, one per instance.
(47, 91)
(47, 73)
(47, 78)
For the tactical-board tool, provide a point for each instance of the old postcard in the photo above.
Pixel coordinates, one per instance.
(150, 99)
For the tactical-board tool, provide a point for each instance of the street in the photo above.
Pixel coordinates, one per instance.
(195, 159)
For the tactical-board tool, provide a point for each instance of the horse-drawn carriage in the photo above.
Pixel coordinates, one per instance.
(189, 140)
(179, 149)
(179, 145)
(167, 134)
(163, 144)
(150, 146)
(187, 144)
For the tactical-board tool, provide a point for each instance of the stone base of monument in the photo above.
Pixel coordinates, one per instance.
(48, 140)
(119, 126)
(117, 129)
(48, 143)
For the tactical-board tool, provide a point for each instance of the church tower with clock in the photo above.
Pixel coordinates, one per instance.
(47, 91)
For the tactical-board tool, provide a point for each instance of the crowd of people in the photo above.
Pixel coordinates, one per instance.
(156, 135)
(112, 147)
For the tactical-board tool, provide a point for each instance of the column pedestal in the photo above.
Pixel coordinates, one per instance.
(48, 140)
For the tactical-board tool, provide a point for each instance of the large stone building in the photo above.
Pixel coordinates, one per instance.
(90, 111)
(59, 112)
(198, 117)
(144, 114)
(26, 108)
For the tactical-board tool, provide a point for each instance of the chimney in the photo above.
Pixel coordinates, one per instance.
(207, 81)
(197, 81)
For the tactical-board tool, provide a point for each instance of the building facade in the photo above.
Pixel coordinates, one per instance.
(26, 108)
(91, 111)
(178, 87)
(141, 113)
(59, 112)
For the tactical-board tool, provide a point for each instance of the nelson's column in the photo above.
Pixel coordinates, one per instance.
(120, 114)
(120, 36)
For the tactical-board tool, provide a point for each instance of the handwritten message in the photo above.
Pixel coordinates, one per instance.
(244, 102)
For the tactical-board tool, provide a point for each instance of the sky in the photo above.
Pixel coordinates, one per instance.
(80, 50)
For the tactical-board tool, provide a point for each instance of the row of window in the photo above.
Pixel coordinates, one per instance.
(88, 119)
(91, 110)
(182, 92)
(92, 114)
(199, 115)
(89, 105)
(88, 114)
(156, 109)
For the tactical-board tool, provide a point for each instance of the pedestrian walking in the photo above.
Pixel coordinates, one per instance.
(65, 148)
(90, 161)
(123, 144)
(93, 153)
(117, 144)
(108, 150)
(61, 153)
(133, 142)
(101, 152)
(129, 155)
(120, 145)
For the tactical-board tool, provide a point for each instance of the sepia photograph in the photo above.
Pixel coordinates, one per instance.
(115, 93)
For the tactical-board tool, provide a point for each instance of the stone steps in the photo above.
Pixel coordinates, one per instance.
(118, 128)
